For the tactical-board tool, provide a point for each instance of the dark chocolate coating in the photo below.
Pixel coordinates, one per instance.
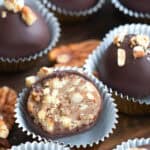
(20, 40)
(147, 147)
(38, 129)
(74, 5)
(137, 5)
(133, 79)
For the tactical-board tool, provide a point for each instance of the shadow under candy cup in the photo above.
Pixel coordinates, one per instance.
(66, 15)
(126, 104)
(22, 63)
(133, 108)
(102, 129)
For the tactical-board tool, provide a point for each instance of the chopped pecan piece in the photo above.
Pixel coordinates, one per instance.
(3, 14)
(140, 40)
(28, 15)
(119, 39)
(14, 5)
(138, 52)
(121, 57)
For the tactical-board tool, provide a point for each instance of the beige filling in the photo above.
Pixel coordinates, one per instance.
(67, 103)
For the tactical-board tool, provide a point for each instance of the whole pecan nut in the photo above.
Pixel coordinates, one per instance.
(72, 54)
(7, 103)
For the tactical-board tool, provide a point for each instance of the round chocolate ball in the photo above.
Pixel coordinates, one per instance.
(19, 39)
(137, 5)
(132, 78)
(74, 5)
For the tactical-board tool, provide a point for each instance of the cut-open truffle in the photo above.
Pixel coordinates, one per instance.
(62, 103)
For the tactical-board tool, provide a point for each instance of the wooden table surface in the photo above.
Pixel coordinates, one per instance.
(95, 27)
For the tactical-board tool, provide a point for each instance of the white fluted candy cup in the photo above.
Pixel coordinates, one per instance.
(122, 8)
(72, 16)
(40, 146)
(133, 143)
(126, 104)
(104, 126)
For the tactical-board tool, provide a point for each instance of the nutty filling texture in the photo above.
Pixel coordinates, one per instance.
(64, 103)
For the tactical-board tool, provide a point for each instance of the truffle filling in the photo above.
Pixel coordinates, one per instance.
(65, 103)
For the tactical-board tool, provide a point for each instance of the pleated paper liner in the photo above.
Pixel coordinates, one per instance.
(72, 16)
(13, 65)
(40, 146)
(129, 12)
(126, 104)
(133, 143)
(102, 129)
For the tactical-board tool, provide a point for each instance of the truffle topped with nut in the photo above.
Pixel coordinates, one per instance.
(62, 103)
(23, 30)
(125, 65)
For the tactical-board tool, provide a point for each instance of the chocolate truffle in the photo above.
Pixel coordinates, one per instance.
(143, 147)
(137, 5)
(125, 65)
(23, 32)
(74, 5)
(63, 103)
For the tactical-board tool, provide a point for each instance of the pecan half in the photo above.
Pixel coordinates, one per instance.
(7, 103)
(72, 54)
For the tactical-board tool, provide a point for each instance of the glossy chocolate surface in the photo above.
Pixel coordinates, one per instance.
(137, 5)
(20, 40)
(74, 5)
(133, 79)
